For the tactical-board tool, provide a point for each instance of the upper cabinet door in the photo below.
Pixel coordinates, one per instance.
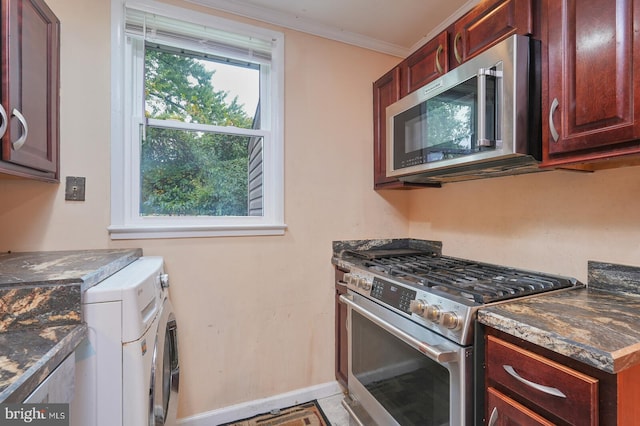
(30, 81)
(386, 90)
(593, 100)
(425, 64)
(486, 25)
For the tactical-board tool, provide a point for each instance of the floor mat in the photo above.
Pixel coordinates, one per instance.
(307, 414)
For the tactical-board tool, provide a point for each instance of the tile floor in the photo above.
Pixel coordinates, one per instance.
(333, 409)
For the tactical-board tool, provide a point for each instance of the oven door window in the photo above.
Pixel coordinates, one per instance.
(443, 127)
(412, 388)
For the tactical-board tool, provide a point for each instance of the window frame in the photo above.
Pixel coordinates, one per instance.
(126, 222)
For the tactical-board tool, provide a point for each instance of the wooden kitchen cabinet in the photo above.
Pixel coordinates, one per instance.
(487, 24)
(482, 27)
(504, 411)
(341, 341)
(386, 90)
(560, 392)
(574, 393)
(29, 52)
(591, 102)
(425, 64)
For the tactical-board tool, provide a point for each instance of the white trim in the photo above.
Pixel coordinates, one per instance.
(297, 23)
(228, 130)
(309, 26)
(258, 406)
(470, 4)
(125, 223)
(150, 232)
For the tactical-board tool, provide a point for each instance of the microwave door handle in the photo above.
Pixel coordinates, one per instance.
(482, 106)
(432, 352)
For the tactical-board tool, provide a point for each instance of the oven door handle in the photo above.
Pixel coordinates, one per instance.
(430, 351)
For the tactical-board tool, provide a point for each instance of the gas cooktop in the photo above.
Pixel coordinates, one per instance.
(440, 292)
(478, 282)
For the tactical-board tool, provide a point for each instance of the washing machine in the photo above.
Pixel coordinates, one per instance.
(127, 371)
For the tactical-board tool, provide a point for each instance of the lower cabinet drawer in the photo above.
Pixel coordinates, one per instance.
(568, 394)
(504, 411)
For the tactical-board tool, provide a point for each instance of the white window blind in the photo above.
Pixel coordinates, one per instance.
(210, 42)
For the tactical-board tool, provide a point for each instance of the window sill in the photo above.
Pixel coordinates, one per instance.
(124, 232)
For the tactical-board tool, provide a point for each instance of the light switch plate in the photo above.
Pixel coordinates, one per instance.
(74, 189)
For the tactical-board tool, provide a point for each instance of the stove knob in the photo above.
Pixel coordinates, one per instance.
(433, 313)
(348, 278)
(362, 283)
(450, 320)
(365, 284)
(418, 306)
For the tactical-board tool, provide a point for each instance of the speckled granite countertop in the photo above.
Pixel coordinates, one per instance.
(598, 325)
(40, 311)
(88, 267)
(343, 251)
(27, 357)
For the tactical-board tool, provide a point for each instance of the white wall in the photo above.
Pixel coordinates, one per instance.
(255, 314)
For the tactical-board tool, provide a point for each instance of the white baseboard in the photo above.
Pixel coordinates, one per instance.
(251, 408)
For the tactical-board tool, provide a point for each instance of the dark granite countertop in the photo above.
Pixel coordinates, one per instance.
(598, 325)
(41, 310)
(27, 357)
(88, 267)
(345, 251)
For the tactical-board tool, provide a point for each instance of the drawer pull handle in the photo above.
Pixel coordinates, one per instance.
(542, 388)
(493, 419)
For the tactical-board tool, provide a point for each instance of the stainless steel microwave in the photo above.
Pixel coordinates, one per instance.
(479, 120)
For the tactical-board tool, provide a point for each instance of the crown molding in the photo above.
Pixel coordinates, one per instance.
(444, 24)
(308, 26)
(294, 22)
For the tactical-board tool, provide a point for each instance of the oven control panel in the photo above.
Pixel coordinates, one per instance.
(393, 295)
(435, 312)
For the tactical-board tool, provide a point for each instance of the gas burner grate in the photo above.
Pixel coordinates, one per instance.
(479, 282)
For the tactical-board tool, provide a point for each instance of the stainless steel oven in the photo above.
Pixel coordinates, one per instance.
(401, 373)
(410, 328)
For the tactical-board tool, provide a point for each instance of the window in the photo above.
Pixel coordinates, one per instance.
(197, 125)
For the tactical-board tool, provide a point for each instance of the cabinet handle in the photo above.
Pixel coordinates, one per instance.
(542, 388)
(21, 140)
(438, 65)
(455, 47)
(493, 419)
(3, 126)
(552, 127)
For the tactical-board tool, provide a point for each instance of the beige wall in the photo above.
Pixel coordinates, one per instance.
(255, 314)
(553, 222)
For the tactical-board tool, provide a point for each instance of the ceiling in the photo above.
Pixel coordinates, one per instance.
(396, 27)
